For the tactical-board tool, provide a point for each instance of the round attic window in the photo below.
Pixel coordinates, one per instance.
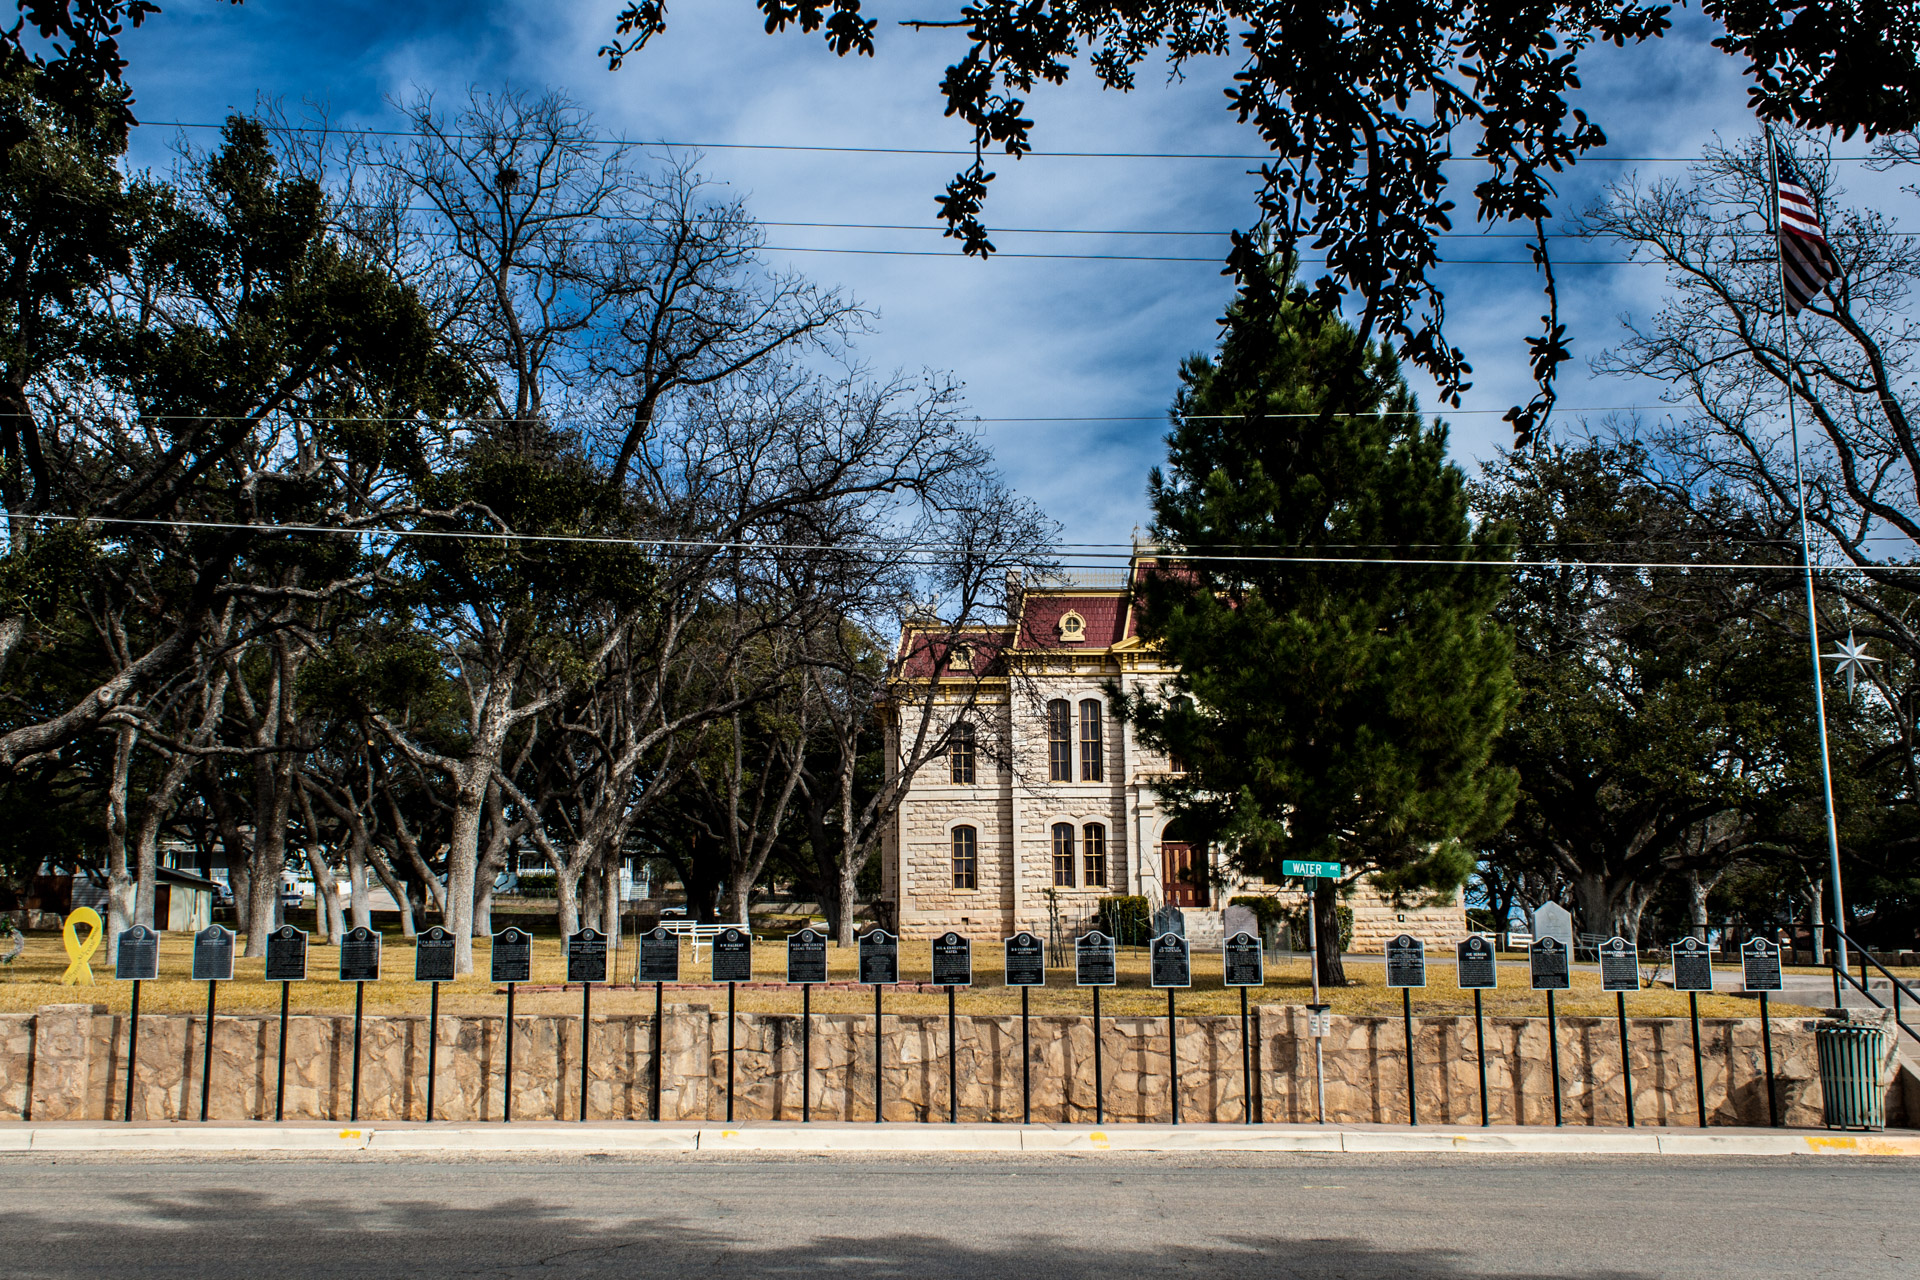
(1073, 628)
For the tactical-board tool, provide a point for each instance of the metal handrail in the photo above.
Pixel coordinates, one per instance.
(1861, 984)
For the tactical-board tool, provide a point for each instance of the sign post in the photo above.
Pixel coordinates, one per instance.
(806, 965)
(1243, 965)
(1760, 973)
(1171, 966)
(511, 963)
(213, 965)
(1407, 969)
(1693, 973)
(1312, 872)
(1620, 973)
(1095, 966)
(359, 964)
(1477, 969)
(586, 965)
(433, 964)
(286, 965)
(879, 969)
(1552, 972)
(952, 967)
(731, 961)
(1024, 965)
(658, 963)
(136, 959)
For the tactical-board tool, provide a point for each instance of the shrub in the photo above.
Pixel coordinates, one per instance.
(539, 884)
(1126, 918)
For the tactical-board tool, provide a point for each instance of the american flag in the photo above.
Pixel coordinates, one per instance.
(1806, 261)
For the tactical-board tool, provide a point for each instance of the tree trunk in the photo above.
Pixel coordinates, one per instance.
(844, 898)
(1817, 900)
(1593, 902)
(1326, 924)
(611, 902)
(463, 854)
(1697, 905)
(361, 912)
(120, 882)
(566, 883)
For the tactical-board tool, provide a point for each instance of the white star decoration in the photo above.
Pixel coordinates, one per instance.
(1853, 661)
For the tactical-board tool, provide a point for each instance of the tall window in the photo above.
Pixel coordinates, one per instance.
(1090, 740)
(1060, 740)
(960, 755)
(966, 858)
(1063, 854)
(1093, 849)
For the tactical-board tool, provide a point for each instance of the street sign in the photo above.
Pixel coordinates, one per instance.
(1692, 965)
(1550, 965)
(732, 955)
(879, 958)
(1312, 870)
(433, 956)
(136, 955)
(659, 956)
(1243, 961)
(1026, 961)
(1619, 965)
(587, 956)
(1170, 963)
(512, 955)
(807, 957)
(1093, 960)
(952, 960)
(1319, 1020)
(213, 954)
(286, 955)
(1760, 965)
(360, 955)
(1406, 962)
(1474, 960)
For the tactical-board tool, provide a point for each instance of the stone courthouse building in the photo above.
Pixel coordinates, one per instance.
(1047, 802)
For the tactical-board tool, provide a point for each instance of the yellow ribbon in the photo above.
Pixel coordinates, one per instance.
(80, 951)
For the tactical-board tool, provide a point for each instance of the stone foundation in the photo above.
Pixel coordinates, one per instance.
(68, 1062)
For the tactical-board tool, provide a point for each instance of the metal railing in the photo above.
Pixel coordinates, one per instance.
(1863, 984)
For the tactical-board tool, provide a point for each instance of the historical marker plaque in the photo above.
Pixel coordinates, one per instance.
(136, 956)
(732, 956)
(512, 956)
(1619, 965)
(1475, 961)
(807, 957)
(1243, 961)
(360, 955)
(1760, 965)
(587, 956)
(433, 956)
(286, 955)
(879, 958)
(660, 955)
(1406, 961)
(213, 954)
(1026, 960)
(1692, 965)
(952, 960)
(1093, 960)
(1551, 971)
(1170, 962)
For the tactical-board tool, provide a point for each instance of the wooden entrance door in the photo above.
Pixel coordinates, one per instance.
(1183, 875)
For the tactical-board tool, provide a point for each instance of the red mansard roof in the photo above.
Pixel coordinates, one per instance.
(1103, 612)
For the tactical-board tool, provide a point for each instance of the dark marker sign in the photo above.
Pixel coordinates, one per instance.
(512, 956)
(1406, 962)
(433, 956)
(1026, 961)
(1093, 962)
(1619, 965)
(213, 954)
(660, 956)
(952, 961)
(806, 957)
(1243, 961)
(1692, 965)
(879, 958)
(1550, 970)
(732, 955)
(1760, 965)
(1171, 965)
(360, 955)
(587, 956)
(287, 955)
(1475, 960)
(136, 956)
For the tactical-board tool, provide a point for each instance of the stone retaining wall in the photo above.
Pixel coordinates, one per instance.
(68, 1062)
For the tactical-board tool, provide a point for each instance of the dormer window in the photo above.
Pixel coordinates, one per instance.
(1073, 628)
(960, 658)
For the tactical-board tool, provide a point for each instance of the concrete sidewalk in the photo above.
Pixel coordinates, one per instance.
(548, 1137)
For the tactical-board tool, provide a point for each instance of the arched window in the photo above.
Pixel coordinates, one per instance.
(1093, 848)
(1060, 740)
(966, 858)
(960, 755)
(1090, 740)
(1063, 854)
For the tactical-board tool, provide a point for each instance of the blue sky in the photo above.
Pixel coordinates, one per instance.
(1033, 339)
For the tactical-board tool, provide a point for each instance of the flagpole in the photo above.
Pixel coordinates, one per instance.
(1806, 562)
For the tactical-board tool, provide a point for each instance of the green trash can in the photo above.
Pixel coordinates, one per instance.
(1850, 1055)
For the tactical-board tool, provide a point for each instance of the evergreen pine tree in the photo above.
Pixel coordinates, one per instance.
(1331, 702)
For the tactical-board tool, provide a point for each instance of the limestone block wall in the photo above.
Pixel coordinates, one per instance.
(930, 903)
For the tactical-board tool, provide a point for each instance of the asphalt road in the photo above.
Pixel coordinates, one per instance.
(1107, 1217)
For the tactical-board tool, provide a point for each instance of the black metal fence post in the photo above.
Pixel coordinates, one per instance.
(659, 1043)
(1406, 1020)
(1626, 1054)
(1099, 1074)
(877, 989)
(506, 1074)
(133, 1049)
(1246, 1062)
(806, 1056)
(1480, 1051)
(730, 989)
(1766, 1042)
(280, 1076)
(1026, 1063)
(586, 1031)
(1699, 1074)
(433, 1046)
(1553, 1041)
(359, 1007)
(206, 1057)
(953, 1062)
(1173, 1059)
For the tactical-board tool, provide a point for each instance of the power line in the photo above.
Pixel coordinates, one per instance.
(1096, 417)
